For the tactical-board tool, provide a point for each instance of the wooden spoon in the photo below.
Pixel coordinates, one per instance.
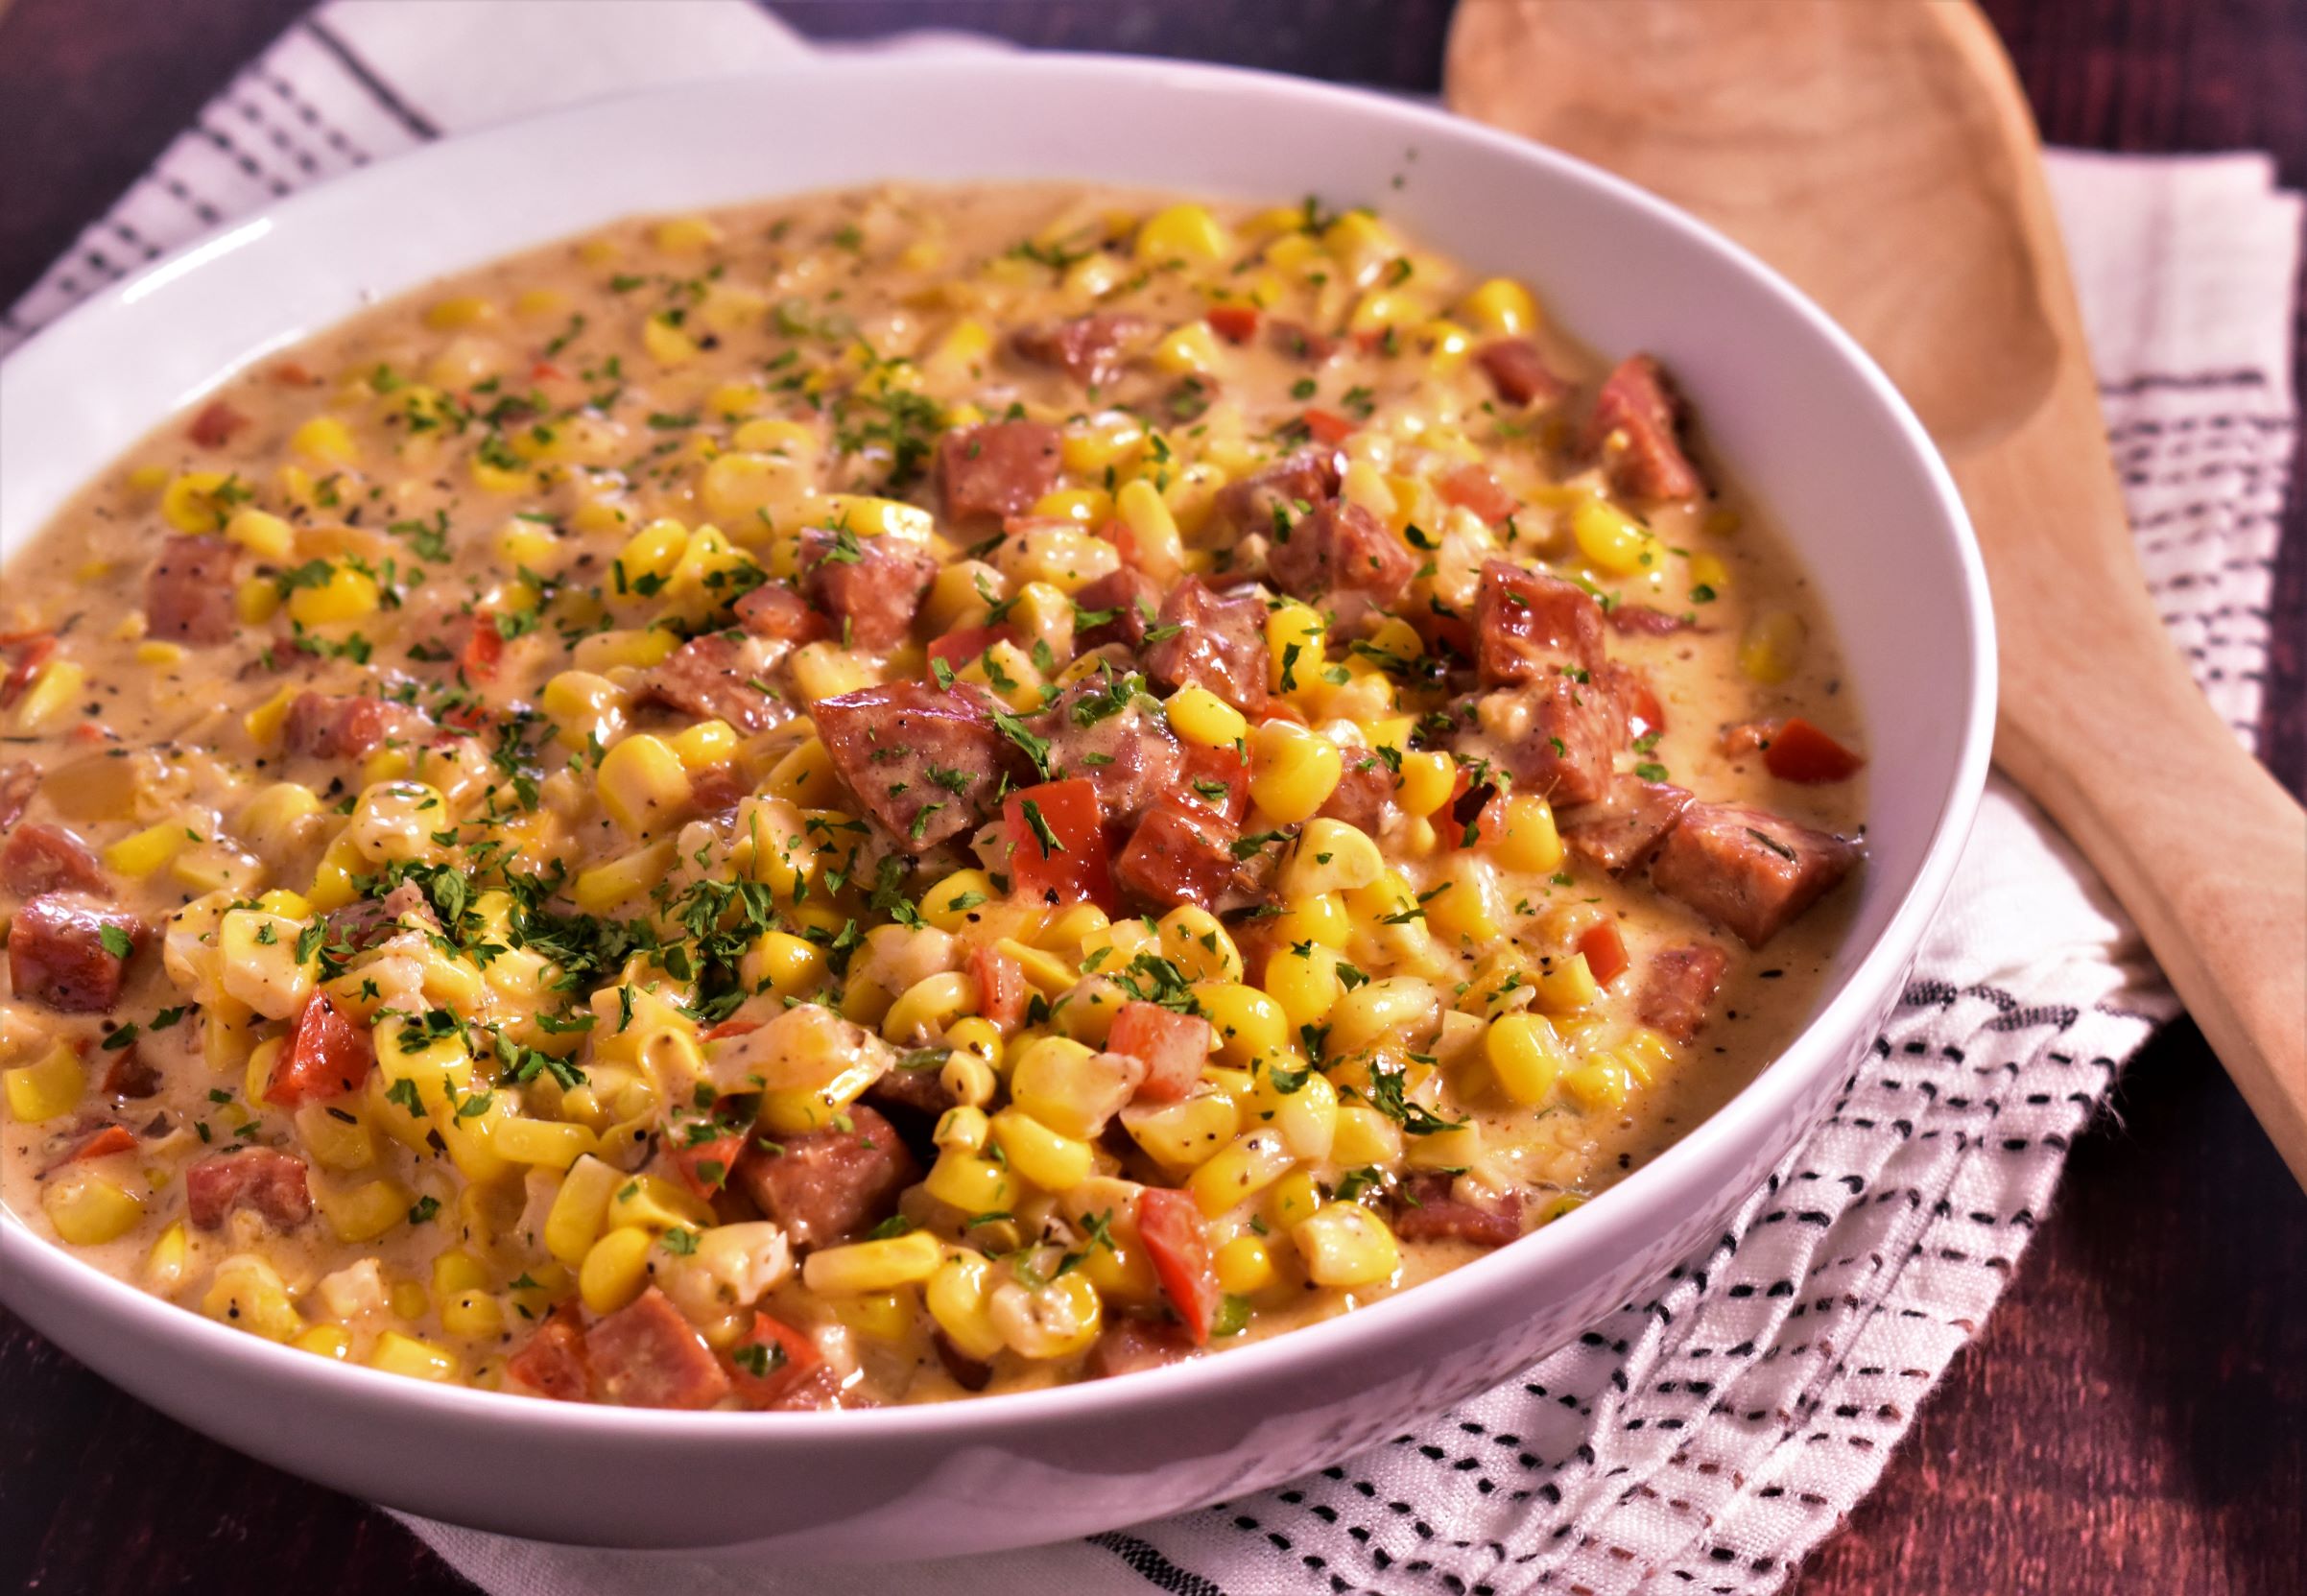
(1882, 157)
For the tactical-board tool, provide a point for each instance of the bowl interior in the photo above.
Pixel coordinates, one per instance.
(1807, 423)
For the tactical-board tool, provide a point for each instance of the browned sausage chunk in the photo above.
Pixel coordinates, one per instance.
(1679, 986)
(1292, 488)
(46, 859)
(1518, 373)
(1119, 746)
(264, 1179)
(1561, 736)
(552, 1362)
(1180, 853)
(1340, 548)
(1363, 797)
(778, 614)
(1747, 869)
(827, 1187)
(1425, 1210)
(718, 676)
(1528, 623)
(924, 762)
(996, 469)
(188, 596)
(646, 1355)
(216, 423)
(18, 782)
(70, 952)
(872, 587)
(1633, 432)
(1116, 609)
(1090, 349)
(327, 726)
(1130, 1346)
(1218, 643)
(1626, 824)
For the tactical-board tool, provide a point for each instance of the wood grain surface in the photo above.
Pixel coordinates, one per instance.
(2133, 1417)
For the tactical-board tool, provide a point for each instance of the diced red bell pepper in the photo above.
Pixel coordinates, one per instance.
(1071, 862)
(1799, 752)
(730, 1028)
(1219, 779)
(1328, 427)
(1235, 324)
(484, 648)
(770, 1361)
(1469, 806)
(1002, 992)
(26, 651)
(1471, 487)
(704, 1166)
(1604, 950)
(329, 1056)
(1174, 1048)
(1123, 539)
(102, 1144)
(958, 647)
(1171, 1224)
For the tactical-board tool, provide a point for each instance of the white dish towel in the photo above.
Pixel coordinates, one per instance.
(1712, 1432)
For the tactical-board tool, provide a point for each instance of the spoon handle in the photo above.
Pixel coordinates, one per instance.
(2102, 724)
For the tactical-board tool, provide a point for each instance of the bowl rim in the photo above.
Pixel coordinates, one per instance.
(32, 1267)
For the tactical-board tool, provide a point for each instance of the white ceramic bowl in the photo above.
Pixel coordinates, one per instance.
(1807, 421)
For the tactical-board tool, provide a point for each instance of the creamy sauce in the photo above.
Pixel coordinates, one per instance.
(526, 456)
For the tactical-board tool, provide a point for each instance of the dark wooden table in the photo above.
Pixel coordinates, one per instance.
(2134, 1417)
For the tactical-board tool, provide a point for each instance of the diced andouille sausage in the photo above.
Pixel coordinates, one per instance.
(1630, 687)
(1219, 643)
(1363, 797)
(1559, 737)
(1529, 624)
(1625, 826)
(19, 781)
(1340, 548)
(215, 424)
(826, 1186)
(1127, 754)
(647, 1355)
(777, 614)
(872, 587)
(360, 926)
(1425, 1210)
(925, 762)
(1179, 853)
(129, 1074)
(1519, 373)
(552, 1362)
(1218, 780)
(330, 726)
(1747, 869)
(967, 1371)
(1678, 987)
(1124, 604)
(1090, 349)
(1174, 1048)
(1294, 486)
(1300, 341)
(922, 1091)
(57, 953)
(47, 859)
(997, 468)
(1472, 486)
(718, 676)
(25, 652)
(1635, 432)
(265, 1179)
(1640, 620)
(1130, 1346)
(188, 596)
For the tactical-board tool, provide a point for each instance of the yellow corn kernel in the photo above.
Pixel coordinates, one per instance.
(1068, 1087)
(1771, 649)
(1529, 841)
(1182, 1135)
(87, 1209)
(339, 1144)
(255, 600)
(264, 534)
(1400, 1006)
(623, 879)
(791, 965)
(1330, 856)
(325, 440)
(362, 1213)
(805, 776)
(1303, 980)
(1465, 908)
(165, 1264)
(1050, 1160)
(161, 656)
(1190, 350)
(879, 1316)
(584, 707)
(1708, 572)
(55, 694)
(520, 543)
(579, 1210)
(396, 1353)
(149, 478)
(653, 552)
(1192, 939)
(961, 352)
(1086, 506)
(472, 1313)
(539, 303)
(704, 745)
(869, 1266)
(652, 1202)
(197, 501)
(667, 344)
(1612, 539)
(463, 310)
(1566, 985)
(1147, 514)
(969, 1078)
(964, 1128)
(408, 1300)
(1183, 231)
(923, 1011)
(615, 1268)
(1244, 1266)
(1365, 1137)
(248, 1295)
(1446, 345)
(969, 1184)
(259, 963)
(550, 1144)
(643, 785)
(825, 670)
(1293, 771)
(1254, 1161)
(141, 853)
(1601, 1082)
(1320, 918)
(41, 1091)
(326, 1340)
(1346, 1245)
(1500, 308)
(1089, 448)
(346, 595)
(1249, 1024)
(454, 1271)
(1293, 1196)
(1306, 1114)
(960, 1297)
(1526, 1057)
(684, 235)
(606, 650)
(1055, 1321)
(1200, 716)
(1360, 243)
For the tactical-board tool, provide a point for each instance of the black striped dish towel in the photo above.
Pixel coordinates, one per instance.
(1709, 1434)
